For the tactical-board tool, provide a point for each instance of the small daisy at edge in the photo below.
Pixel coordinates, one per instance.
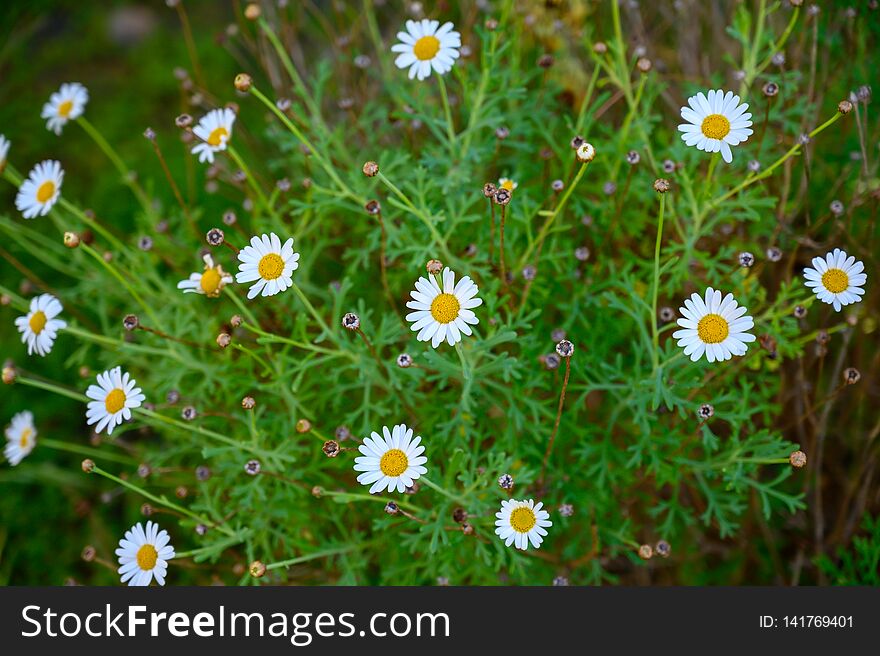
(214, 129)
(39, 327)
(113, 399)
(4, 151)
(209, 282)
(507, 183)
(66, 104)
(837, 279)
(41, 190)
(519, 523)
(144, 555)
(21, 437)
(714, 326)
(427, 45)
(715, 123)
(391, 462)
(443, 313)
(268, 263)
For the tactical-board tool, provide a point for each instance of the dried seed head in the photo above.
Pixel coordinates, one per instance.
(172, 397)
(351, 321)
(557, 334)
(706, 411)
(770, 89)
(88, 465)
(576, 141)
(373, 207)
(201, 529)
(502, 196)
(609, 188)
(666, 314)
(797, 459)
(331, 448)
(188, 413)
(143, 470)
(546, 152)
(147, 509)
(844, 107)
(566, 510)
(71, 239)
(863, 93)
(661, 185)
(145, 243)
(252, 467)
(491, 24)
(662, 549)
(560, 581)
(851, 375)
(303, 426)
(822, 337)
(181, 492)
(505, 482)
(391, 508)
(183, 121)
(552, 361)
(215, 237)
(529, 272)
(362, 61)
(502, 132)
(224, 340)
(203, 473)
(557, 185)
(88, 553)
(236, 320)
(836, 207)
(248, 403)
(585, 153)
(283, 104)
(342, 433)
(459, 515)
(130, 322)
(371, 169)
(283, 185)
(434, 266)
(800, 311)
(471, 250)
(803, 139)
(646, 552)
(404, 361)
(587, 220)
(668, 166)
(600, 48)
(545, 61)
(633, 158)
(746, 259)
(252, 12)
(257, 569)
(644, 64)
(565, 348)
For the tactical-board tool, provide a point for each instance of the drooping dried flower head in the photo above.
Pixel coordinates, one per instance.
(565, 348)
(351, 321)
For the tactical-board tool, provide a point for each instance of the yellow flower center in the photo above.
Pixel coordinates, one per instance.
(217, 135)
(115, 401)
(45, 192)
(715, 126)
(37, 322)
(210, 281)
(25, 438)
(522, 519)
(445, 307)
(271, 266)
(426, 47)
(147, 557)
(64, 108)
(508, 184)
(394, 462)
(835, 281)
(713, 329)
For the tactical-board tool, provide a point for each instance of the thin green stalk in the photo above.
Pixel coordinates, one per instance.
(447, 111)
(252, 181)
(468, 133)
(448, 495)
(313, 311)
(312, 556)
(85, 451)
(51, 387)
(781, 42)
(655, 354)
(244, 309)
(465, 366)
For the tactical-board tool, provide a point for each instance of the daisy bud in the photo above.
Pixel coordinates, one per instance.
(706, 411)
(236, 320)
(229, 217)
(303, 426)
(88, 466)
(609, 188)
(822, 337)
(201, 529)
(633, 158)
(560, 582)
(371, 169)
(529, 272)
(644, 64)
(552, 361)
(565, 348)
(330, 448)
(585, 153)
(491, 24)
(778, 59)
(770, 89)
(557, 334)
(576, 141)
(252, 467)
(373, 207)
(661, 185)
(836, 207)
(71, 239)
(489, 190)
(145, 243)
(844, 107)
(203, 473)
(505, 482)
(803, 139)
(800, 312)
(130, 322)
(666, 314)
(502, 133)
(459, 515)
(863, 93)
(668, 166)
(88, 553)
(283, 104)
(252, 12)
(662, 549)
(257, 569)
(85, 372)
(851, 375)
(545, 61)
(351, 321)
(566, 510)
(362, 61)
(774, 254)
(183, 121)
(283, 185)
(797, 459)
(502, 196)
(557, 185)
(224, 340)
(215, 237)
(150, 134)
(434, 266)
(391, 508)
(181, 492)
(172, 397)
(317, 491)
(144, 470)
(600, 48)
(739, 75)
(342, 433)
(645, 552)
(404, 361)
(746, 259)
(248, 403)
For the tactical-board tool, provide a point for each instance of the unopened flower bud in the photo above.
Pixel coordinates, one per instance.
(371, 169)
(646, 552)
(183, 121)
(797, 459)
(248, 403)
(71, 239)
(257, 568)
(585, 153)
(224, 340)
(215, 237)
(130, 322)
(351, 321)
(252, 12)
(489, 190)
(502, 196)
(662, 549)
(330, 448)
(303, 426)
(851, 375)
(661, 185)
(844, 107)
(505, 482)
(565, 348)
(404, 361)
(252, 467)
(88, 465)
(434, 266)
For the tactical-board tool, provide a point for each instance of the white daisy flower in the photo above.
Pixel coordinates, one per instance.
(21, 437)
(214, 129)
(144, 554)
(426, 45)
(715, 123)
(39, 327)
(507, 183)
(521, 522)
(4, 151)
(390, 462)
(713, 326)
(113, 399)
(269, 263)
(210, 282)
(66, 104)
(443, 313)
(836, 279)
(41, 190)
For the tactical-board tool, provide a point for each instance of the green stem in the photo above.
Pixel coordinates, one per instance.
(312, 556)
(465, 366)
(450, 129)
(448, 495)
(311, 309)
(85, 451)
(654, 328)
(468, 134)
(252, 181)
